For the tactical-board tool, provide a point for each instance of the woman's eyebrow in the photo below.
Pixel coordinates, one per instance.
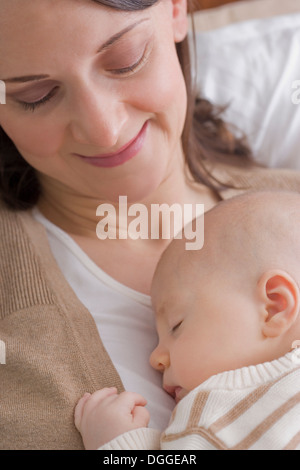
(105, 45)
(120, 34)
(24, 79)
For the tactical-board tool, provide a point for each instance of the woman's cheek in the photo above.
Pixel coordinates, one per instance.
(170, 93)
(37, 140)
(162, 87)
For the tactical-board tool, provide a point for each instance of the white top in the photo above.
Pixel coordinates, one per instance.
(123, 316)
(252, 408)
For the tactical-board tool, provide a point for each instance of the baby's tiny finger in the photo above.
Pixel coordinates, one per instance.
(100, 395)
(79, 409)
(133, 398)
(141, 416)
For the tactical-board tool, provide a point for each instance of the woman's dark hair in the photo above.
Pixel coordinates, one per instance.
(205, 138)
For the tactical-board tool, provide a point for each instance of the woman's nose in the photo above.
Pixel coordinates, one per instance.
(160, 359)
(97, 119)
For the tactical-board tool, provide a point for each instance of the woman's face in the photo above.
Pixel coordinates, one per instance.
(83, 80)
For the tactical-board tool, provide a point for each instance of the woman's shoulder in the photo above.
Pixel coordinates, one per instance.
(235, 180)
(10, 224)
(13, 225)
(20, 266)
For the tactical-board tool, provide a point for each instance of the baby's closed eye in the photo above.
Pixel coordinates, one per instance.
(176, 326)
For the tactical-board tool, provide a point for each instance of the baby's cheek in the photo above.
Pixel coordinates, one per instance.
(192, 368)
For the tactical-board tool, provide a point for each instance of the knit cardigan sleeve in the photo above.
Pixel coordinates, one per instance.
(181, 434)
(150, 439)
(138, 439)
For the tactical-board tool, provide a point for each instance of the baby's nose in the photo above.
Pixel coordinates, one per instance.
(159, 359)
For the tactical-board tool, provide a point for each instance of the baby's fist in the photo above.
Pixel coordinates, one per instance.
(104, 415)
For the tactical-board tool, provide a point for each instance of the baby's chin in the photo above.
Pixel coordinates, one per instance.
(180, 393)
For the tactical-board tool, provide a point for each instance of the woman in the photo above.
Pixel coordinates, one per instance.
(98, 105)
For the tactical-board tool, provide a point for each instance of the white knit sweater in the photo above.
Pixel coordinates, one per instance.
(253, 408)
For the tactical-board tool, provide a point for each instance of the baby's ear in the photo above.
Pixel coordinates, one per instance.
(279, 296)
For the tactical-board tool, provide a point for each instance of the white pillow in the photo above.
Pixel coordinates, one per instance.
(253, 66)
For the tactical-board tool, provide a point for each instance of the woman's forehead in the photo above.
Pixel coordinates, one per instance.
(46, 29)
(40, 15)
(46, 11)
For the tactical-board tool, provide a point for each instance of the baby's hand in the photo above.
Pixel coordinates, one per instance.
(104, 415)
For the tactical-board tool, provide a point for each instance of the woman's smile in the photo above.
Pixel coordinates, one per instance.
(125, 153)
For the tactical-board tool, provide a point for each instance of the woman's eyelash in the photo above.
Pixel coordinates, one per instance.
(36, 104)
(131, 68)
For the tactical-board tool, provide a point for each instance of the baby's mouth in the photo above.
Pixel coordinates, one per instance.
(175, 391)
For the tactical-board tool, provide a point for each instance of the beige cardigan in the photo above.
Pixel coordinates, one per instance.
(53, 350)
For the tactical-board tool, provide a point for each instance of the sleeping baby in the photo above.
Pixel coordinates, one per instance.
(228, 318)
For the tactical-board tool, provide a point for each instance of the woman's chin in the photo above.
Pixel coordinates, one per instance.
(134, 194)
(138, 189)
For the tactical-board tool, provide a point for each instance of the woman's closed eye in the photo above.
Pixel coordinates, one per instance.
(125, 71)
(31, 106)
(130, 64)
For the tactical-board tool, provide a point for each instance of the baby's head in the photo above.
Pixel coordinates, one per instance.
(235, 302)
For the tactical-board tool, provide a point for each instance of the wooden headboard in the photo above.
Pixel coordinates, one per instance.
(205, 4)
(208, 17)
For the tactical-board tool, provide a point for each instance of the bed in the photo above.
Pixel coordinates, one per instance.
(248, 58)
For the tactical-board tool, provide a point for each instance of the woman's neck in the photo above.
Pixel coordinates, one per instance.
(79, 215)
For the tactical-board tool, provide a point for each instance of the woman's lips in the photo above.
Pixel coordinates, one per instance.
(128, 151)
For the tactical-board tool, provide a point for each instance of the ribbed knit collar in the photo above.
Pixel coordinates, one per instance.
(252, 376)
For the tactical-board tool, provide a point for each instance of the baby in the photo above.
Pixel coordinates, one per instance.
(227, 319)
